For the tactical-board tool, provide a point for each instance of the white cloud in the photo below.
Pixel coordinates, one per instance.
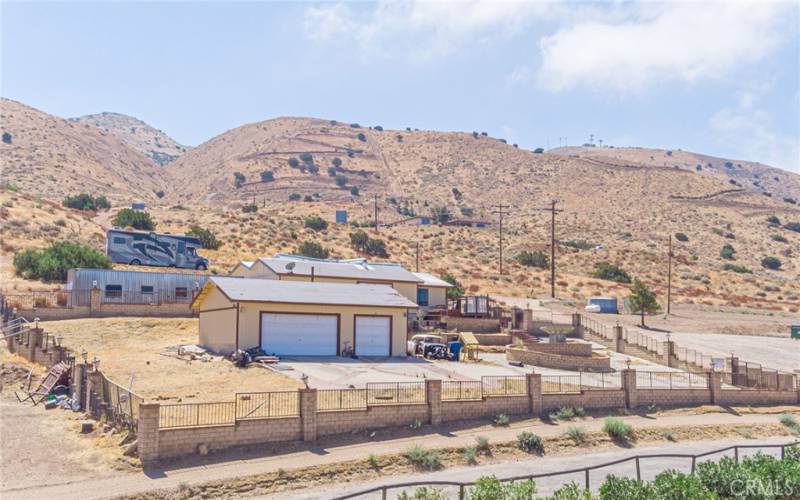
(647, 44)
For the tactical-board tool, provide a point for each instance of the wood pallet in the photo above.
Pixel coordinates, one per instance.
(57, 373)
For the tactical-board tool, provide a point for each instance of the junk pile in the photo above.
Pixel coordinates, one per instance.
(242, 358)
(53, 390)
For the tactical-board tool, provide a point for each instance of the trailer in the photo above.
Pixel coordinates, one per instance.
(154, 249)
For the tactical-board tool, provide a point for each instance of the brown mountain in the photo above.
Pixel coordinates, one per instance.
(50, 157)
(137, 134)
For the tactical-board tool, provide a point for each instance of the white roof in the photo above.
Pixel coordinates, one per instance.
(431, 280)
(357, 269)
(308, 292)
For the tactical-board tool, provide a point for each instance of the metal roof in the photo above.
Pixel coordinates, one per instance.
(358, 269)
(306, 292)
(431, 280)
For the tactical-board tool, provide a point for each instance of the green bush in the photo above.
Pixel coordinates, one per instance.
(360, 241)
(571, 491)
(336, 162)
(313, 249)
(424, 459)
(779, 238)
(267, 176)
(792, 226)
(134, 218)
(316, 223)
(341, 180)
(424, 493)
(331, 172)
(611, 272)
(538, 151)
(470, 455)
(87, 202)
(771, 262)
(440, 214)
(52, 263)
(790, 200)
(160, 194)
(456, 290)
(294, 197)
(500, 420)
(482, 445)
(293, 162)
(620, 488)
(354, 190)
(576, 433)
(727, 252)
(7, 137)
(736, 268)
(238, 179)
(773, 220)
(565, 413)
(362, 137)
(207, 238)
(616, 428)
(490, 488)
(529, 442)
(250, 208)
(533, 259)
(306, 158)
(681, 237)
(790, 421)
(579, 244)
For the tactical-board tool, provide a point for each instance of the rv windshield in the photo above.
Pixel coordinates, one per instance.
(190, 252)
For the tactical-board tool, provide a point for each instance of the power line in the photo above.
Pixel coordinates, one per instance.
(376, 213)
(669, 276)
(500, 207)
(553, 211)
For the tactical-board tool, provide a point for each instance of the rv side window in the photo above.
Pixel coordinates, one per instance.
(113, 290)
(181, 292)
(118, 240)
(147, 290)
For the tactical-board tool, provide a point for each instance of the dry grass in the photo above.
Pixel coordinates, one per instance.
(146, 348)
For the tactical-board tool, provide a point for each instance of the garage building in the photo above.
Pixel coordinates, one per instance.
(299, 318)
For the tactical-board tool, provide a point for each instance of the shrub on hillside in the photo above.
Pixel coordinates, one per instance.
(134, 218)
(52, 263)
(7, 137)
(533, 259)
(616, 428)
(538, 151)
(294, 162)
(727, 252)
(456, 290)
(316, 223)
(85, 201)
(681, 237)
(792, 226)
(771, 262)
(341, 180)
(250, 208)
(579, 244)
(611, 272)
(790, 200)
(267, 176)
(737, 269)
(306, 158)
(313, 249)
(440, 214)
(529, 442)
(354, 191)
(362, 137)
(294, 197)
(160, 194)
(207, 239)
(773, 220)
(238, 179)
(336, 162)
(779, 238)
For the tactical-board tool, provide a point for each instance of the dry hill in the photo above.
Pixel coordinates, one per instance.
(50, 157)
(136, 134)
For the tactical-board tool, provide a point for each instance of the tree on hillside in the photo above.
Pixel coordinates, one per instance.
(533, 259)
(456, 290)
(135, 219)
(313, 249)
(7, 137)
(52, 263)
(238, 179)
(267, 176)
(207, 239)
(87, 202)
(341, 180)
(642, 300)
(316, 223)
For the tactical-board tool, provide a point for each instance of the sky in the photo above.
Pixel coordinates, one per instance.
(721, 78)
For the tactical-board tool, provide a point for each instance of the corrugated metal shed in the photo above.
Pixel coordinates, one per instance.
(355, 270)
(132, 281)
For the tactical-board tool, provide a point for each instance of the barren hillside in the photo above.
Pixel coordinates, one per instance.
(136, 134)
(47, 156)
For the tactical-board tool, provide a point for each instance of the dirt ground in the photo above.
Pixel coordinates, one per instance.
(147, 349)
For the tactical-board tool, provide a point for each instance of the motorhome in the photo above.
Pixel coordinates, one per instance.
(154, 249)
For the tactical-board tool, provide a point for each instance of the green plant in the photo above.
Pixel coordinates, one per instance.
(576, 433)
(538, 151)
(294, 197)
(771, 262)
(616, 428)
(456, 290)
(207, 239)
(736, 268)
(470, 455)
(293, 162)
(373, 461)
(416, 424)
(341, 180)
(424, 493)
(579, 411)
(533, 259)
(779, 238)
(490, 488)
(773, 220)
(160, 194)
(482, 445)
(135, 219)
(579, 244)
(529, 442)
(313, 249)
(361, 137)
(669, 435)
(316, 223)
(790, 421)
(681, 237)
(250, 208)
(565, 413)
(238, 179)
(86, 202)
(440, 214)
(53, 262)
(616, 488)
(7, 137)
(571, 491)
(611, 272)
(642, 300)
(423, 459)
(727, 252)
(354, 190)
(500, 420)
(267, 176)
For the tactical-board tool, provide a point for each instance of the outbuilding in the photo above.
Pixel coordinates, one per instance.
(302, 318)
(432, 292)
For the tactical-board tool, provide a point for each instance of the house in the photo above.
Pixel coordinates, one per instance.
(432, 292)
(288, 267)
(302, 318)
(133, 287)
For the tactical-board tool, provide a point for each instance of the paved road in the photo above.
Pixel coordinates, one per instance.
(545, 486)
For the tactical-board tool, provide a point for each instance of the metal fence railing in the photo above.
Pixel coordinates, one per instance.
(196, 414)
(394, 393)
(672, 380)
(561, 384)
(123, 404)
(665, 461)
(255, 405)
(462, 390)
(513, 385)
(341, 399)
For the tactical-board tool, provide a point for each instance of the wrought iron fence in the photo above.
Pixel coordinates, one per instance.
(341, 399)
(196, 414)
(395, 393)
(672, 380)
(561, 384)
(255, 405)
(513, 385)
(122, 404)
(461, 390)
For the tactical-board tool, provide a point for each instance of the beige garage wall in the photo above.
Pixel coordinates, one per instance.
(217, 330)
(249, 333)
(437, 296)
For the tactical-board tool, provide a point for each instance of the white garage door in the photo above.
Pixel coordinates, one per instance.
(372, 336)
(298, 334)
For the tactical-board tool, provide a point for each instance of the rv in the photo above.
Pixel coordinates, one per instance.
(153, 249)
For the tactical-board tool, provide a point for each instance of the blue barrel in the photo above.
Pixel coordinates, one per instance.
(455, 350)
(341, 216)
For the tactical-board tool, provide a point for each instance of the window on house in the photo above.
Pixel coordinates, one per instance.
(113, 290)
(147, 290)
(181, 292)
(422, 297)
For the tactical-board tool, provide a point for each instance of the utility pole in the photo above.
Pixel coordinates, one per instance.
(553, 211)
(376, 213)
(417, 256)
(669, 276)
(500, 207)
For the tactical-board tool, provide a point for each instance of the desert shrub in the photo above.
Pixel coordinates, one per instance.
(341, 180)
(727, 252)
(424, 493)
(336, 162)
(267, 176)
(533, 259)
(294, 197)
(779, 238)
(440, 214)
(238, 179)
(85, 201)
(529, 442)
(308, 197)
(250, 208)
(616, 428)
(621, 488)
(470, 455)
(355, 125)
(565, 413)
(378, 128)
(736, 268)
(500, 420)
(579, 244)
(466, 211)
(611, 272)
(698, 167)
(354, 191)
(360, 241)
(457, 290)
(361, 137)
(771, 262)
(475, 135)
(792, 226)
(313, 249)
(316, 223)
(490, 488)
(681, 237)
(576, 433)
(773, 220)
(135, 219)
(293, 162)
(538, 151)
(331, 172)
(669, 435)
(571, 491)
(790, 200)
(53, 262)
(7, 137)
(482, 445)
(160, 194)
(790, 421)
(424, 459)
(306, 158)
(207, 239)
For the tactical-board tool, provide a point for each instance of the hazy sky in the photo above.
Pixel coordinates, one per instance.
(719, 78)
